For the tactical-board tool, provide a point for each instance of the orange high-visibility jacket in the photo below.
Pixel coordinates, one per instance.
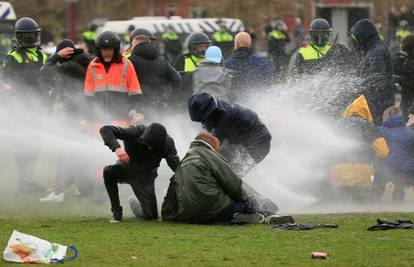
(121, 77)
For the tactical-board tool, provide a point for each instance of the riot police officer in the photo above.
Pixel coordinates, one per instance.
(20, 73)
(198, 43)
(308, 58)
(187, 63)
(172, 44)
(135, 33)
(24, 61)
(224, 40)
(89, 38)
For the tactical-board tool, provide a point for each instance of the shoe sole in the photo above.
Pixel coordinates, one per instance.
(114, 221)
(240, 218)
(281, 220)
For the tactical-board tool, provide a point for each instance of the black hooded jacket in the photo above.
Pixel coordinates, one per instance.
(232, 122)
(375, 73)
(158, 79)
(142, 157)
(65, 78)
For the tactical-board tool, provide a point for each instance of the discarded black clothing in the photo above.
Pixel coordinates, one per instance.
(386, 225)
(302, 227)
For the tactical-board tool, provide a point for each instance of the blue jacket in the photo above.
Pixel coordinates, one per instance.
(375, 73)
(232, 122)
(400, 140)
(251, 72)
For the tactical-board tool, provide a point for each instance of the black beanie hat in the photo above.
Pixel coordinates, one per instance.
(65, 43)
(154, 135)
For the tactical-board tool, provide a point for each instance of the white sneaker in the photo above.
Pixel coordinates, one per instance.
(54, 198)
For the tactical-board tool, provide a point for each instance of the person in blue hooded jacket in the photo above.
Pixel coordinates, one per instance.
(245, 139)
(252, 73)
(375, 80)
(399, 165)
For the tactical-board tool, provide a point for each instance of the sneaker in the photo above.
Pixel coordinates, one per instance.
(136, 207)
(242, 218)
(279, 219)
(54, 198)
(116, 215)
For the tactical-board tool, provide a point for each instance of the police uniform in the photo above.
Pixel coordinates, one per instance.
(308, 58)
(172, 45)
(224, 41)
(89, 37)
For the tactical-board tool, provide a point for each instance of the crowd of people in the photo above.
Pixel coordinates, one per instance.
(213, 81)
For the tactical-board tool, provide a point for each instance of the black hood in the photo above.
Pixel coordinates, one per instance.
(202, 106)
(365, 32)
(146, 50)
(242, 52)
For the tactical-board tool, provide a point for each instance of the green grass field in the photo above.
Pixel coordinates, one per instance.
(165, 244)
(81, 223)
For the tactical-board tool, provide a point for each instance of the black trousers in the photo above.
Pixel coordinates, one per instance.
(142, 183)
(243, 158)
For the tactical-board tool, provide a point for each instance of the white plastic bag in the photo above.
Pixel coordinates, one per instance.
(25, 248)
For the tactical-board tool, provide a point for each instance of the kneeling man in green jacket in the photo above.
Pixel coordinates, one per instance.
(205, 189)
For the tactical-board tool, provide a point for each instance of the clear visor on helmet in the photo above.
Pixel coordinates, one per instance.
(320, 38)
(28, 39)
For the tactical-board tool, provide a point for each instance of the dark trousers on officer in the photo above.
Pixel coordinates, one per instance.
(141, 181)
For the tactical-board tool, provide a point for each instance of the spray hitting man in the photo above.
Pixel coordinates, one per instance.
(145, 147)
(246, 140)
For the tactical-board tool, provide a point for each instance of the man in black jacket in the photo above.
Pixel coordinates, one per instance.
(145, 147)
(158, 79)
(63, 75)
(246, 140)
(375, 73)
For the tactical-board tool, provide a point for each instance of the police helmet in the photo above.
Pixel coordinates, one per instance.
(108, 39)
(198, 38)
(320, 31)
(195, 40)
(280, 25)
(27, 32)
(141, 31)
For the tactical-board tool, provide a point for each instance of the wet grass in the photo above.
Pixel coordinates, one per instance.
(139, 243)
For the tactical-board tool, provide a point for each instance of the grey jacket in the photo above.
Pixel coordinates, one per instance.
(214, 79)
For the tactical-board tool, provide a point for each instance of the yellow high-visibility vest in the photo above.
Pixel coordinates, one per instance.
(170, 36)
(89, 35)
(310, 52)
(220, 37)
(31, 56)
(191, 63)
(278, 35)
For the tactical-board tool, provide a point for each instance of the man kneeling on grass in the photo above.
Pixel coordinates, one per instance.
(205, 189)
(145, 147)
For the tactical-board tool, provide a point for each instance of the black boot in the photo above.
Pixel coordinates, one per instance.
(116, 215)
